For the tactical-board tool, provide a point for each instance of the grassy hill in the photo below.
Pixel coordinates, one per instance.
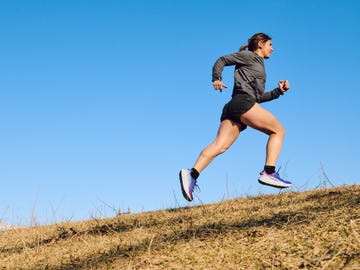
(317, 229)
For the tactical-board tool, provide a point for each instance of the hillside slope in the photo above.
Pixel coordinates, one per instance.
(317, 229)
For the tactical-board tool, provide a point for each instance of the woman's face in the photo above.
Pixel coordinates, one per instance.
(266, 49)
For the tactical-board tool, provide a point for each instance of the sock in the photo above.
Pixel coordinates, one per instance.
(269, 169)
(194, 173)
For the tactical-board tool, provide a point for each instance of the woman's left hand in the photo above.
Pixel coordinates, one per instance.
(284, 85)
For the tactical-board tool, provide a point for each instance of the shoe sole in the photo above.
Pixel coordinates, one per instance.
(183, 189)
(273, 184)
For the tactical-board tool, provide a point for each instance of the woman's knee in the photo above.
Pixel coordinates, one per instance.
(216, 149)
(281, 131)
(222, 149)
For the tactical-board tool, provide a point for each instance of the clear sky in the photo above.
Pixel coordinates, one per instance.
(103, 102)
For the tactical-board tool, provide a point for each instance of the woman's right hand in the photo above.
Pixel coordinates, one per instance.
(284, 85)
(218, 85)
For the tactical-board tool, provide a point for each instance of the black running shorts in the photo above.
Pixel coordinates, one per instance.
(239, 104)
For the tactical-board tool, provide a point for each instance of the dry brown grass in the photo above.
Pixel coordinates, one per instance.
(316, 229)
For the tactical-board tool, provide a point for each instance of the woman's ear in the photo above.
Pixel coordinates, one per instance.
(260, 44)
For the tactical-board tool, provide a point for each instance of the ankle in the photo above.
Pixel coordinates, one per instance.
(194, 173)
(269, 169)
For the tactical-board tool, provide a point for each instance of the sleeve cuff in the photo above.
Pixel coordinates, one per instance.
(216, 79)
(279, 91)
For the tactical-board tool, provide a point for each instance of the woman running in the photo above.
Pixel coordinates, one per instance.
(244, 110)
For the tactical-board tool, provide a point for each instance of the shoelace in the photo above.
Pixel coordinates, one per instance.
(278, 170)
(196, 187)
(278, 176)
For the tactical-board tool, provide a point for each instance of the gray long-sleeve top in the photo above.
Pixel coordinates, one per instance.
(249, 75)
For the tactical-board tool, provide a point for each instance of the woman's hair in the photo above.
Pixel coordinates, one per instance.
(253, 42)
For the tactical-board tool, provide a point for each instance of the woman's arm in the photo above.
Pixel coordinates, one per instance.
(221, 62)
(283, 86)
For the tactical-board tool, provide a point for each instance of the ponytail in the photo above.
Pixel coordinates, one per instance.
(243, 47)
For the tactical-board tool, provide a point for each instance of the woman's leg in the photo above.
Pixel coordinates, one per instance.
(262, 120)
(226, 135)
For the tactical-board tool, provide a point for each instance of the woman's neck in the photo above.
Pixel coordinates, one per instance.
(259, 53)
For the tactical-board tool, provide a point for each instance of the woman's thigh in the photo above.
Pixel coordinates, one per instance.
(227, 133)
(261, 119)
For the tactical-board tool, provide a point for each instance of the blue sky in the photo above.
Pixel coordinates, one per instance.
(102, 102)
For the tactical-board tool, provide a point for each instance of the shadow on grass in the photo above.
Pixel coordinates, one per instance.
(203, 232)
(190, 231)
(118, 226)
(306, 215)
